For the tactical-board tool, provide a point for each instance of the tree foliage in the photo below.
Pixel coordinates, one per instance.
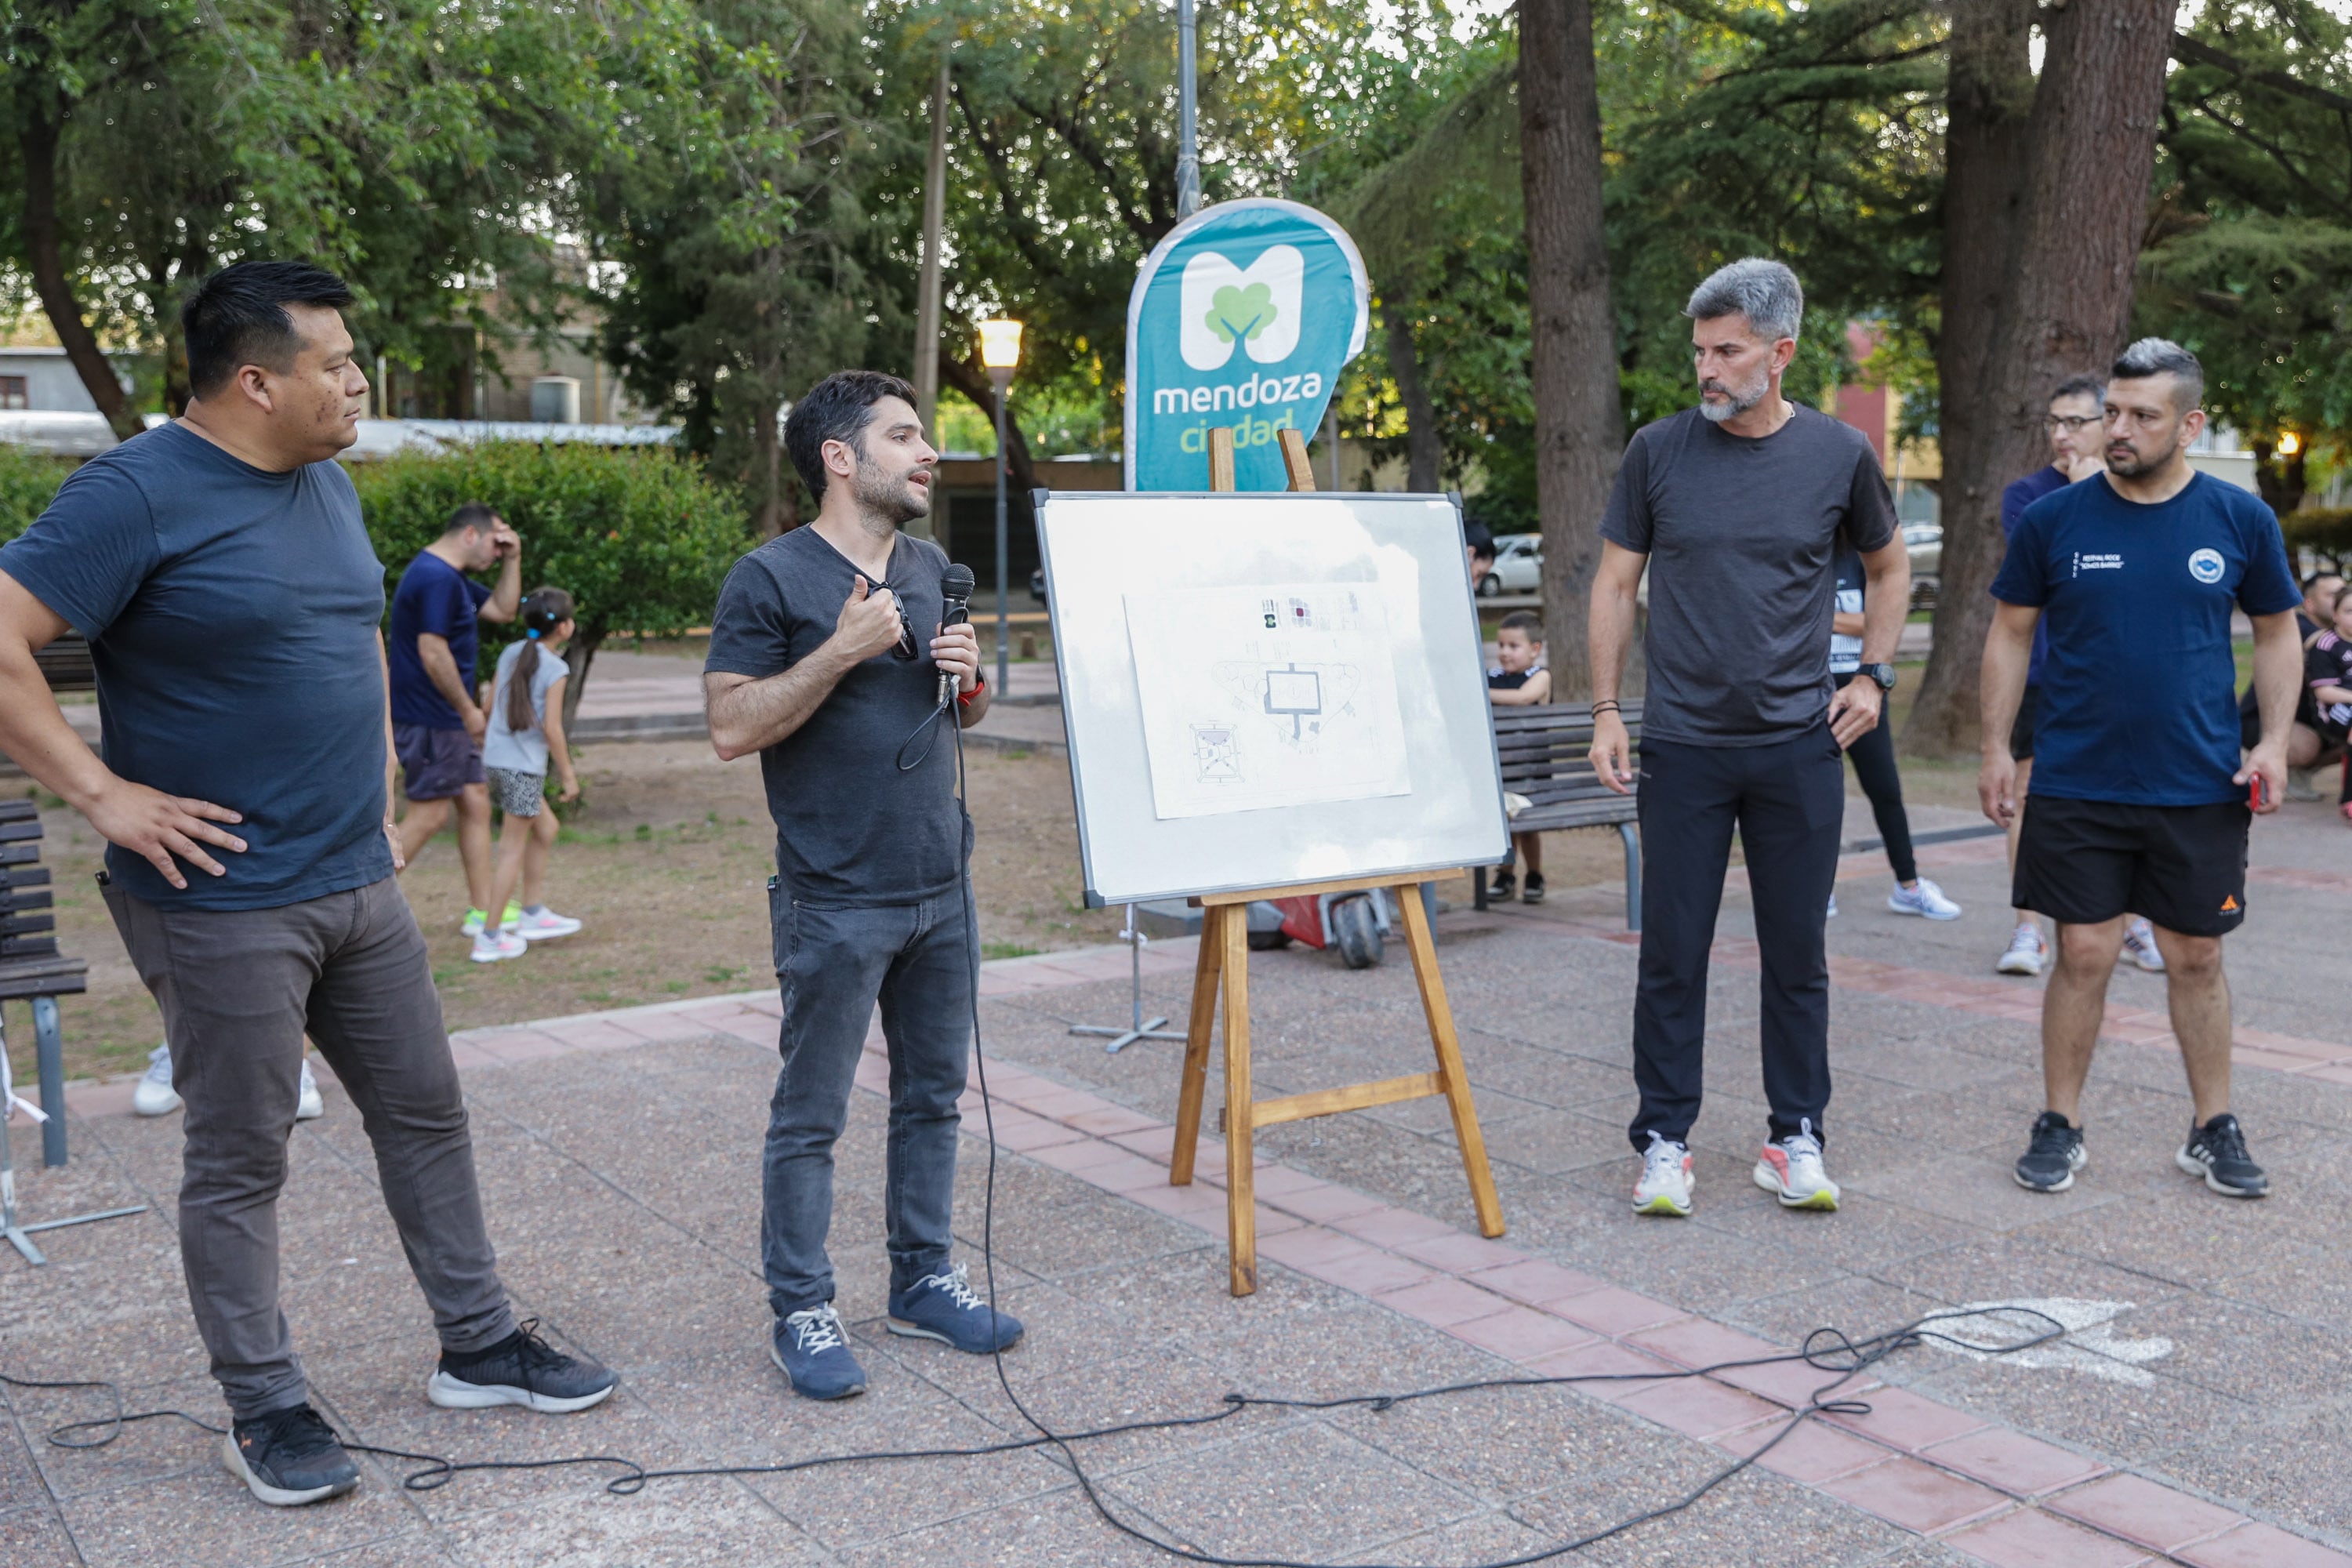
(640, 537)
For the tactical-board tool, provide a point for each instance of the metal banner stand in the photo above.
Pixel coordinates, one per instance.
(1138, 1030)
(20, 1236)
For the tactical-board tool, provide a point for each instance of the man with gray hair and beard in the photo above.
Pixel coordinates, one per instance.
(1738, 509)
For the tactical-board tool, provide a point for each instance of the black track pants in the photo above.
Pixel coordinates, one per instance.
(1787, 800)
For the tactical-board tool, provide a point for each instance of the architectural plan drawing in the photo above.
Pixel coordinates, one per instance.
(1273, 696)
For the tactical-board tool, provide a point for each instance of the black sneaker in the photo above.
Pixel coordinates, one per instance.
(2217, 1152)
(2049, 1161)
(288, 1458)
(1534, 894)
(1506, 885)
(521, 1369)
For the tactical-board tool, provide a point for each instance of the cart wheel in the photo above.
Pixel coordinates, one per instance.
(1356, 933)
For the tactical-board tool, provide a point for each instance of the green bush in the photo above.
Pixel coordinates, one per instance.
(2326, 530)
(28, 480)
(641, 538)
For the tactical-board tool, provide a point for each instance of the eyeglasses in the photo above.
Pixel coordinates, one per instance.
(2070, 422)
(905, 649)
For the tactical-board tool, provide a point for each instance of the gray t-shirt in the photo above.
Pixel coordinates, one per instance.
(1742, 535)
(851, 828)
(520, 750)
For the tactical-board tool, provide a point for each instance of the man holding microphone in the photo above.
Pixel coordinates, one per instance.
(815, 663)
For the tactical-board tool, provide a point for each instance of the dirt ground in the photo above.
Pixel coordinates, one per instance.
(666, 858)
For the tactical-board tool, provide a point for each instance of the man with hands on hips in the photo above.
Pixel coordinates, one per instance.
(816, 664)
(1737, 510)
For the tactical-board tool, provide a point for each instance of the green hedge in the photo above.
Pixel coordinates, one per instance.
(2328, 532)
(639, 537)
(28, 480)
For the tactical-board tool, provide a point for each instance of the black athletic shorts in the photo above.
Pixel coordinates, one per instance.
(2021, 728)
(2084, 862)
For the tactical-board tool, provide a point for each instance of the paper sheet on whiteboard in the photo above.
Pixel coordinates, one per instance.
(1276, 695)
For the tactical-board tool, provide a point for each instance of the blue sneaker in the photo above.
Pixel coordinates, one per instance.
(810, 1349)
(944, 1307)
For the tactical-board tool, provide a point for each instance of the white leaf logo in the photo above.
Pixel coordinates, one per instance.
(1255, 306)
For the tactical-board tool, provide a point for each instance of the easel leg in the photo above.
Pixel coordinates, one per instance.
(1195, 1081)
(1240, 1170)
(1423, 947)
(49, 1044)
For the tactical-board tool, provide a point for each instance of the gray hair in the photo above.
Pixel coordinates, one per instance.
(1764, 291)
(2162, 356)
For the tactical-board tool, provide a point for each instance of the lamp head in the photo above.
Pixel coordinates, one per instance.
(1000, 343)
(2289, 444)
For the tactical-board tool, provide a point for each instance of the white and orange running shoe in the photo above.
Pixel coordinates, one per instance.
(1790, 1170)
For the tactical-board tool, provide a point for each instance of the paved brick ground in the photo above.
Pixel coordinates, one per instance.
(2198, 1418)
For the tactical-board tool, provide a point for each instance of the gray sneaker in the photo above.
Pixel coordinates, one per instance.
(288, 1458)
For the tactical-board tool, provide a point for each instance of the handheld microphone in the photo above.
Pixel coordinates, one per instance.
(955, 592)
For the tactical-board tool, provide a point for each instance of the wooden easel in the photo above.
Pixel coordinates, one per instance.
(1224, 958)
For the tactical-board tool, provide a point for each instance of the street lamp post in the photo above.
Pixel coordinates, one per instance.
(1000, 351)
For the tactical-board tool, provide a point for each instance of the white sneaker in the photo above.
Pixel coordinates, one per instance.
(308, 1107)
(2026, 953)
(2139, 947)
(1832, 914)
(153, 1095)
(492, 946)
(1922, 898)
(542, 926)
(1792, 1171)
(1666, 1180)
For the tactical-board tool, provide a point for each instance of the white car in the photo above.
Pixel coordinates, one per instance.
(1519, 566)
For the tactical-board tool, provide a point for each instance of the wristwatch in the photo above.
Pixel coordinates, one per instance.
(1882, 673)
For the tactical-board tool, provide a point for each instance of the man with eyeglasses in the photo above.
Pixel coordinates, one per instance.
(2140, 806)
(816, 664)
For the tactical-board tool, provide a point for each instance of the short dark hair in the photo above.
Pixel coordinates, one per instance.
(2162, 356)
(1525, 621)
(2320, 576)
(1479, 538)
(835, 409)
(237, 316)
(2093, 387)
(475, 514)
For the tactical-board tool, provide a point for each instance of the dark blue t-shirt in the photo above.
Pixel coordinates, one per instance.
(2014, 499)
(2138, 698)
(432, 597)
(232, 615)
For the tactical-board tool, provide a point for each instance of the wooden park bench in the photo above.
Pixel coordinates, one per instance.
(1544, 753)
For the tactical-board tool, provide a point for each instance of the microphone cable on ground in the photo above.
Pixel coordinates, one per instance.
(1827, 1349)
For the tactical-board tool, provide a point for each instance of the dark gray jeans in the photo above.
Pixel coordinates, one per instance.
(238, 988)
(833, 966)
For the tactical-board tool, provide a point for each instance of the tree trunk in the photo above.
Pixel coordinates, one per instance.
(2066, 304)
(1579, 416)
(973, 382)
(43, 257)
(2279, 480)
(1424, 453)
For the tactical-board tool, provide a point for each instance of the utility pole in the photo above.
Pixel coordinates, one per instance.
(927, 297)
(1188, 142)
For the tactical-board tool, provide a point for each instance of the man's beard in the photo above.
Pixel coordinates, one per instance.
(892, 499)
(1736, 403)
(2132, 465)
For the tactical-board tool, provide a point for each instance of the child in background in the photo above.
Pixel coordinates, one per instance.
(525, 734)
(1519, 679)
(2328, 666)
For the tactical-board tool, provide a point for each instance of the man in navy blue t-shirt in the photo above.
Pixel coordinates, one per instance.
(218, 567)
(2140, 807)
(436, 724)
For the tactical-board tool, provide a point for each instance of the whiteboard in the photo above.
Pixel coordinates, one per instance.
(1266, 688)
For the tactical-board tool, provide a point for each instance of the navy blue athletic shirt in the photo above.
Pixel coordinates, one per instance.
(232, 615)
(2139, 696)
